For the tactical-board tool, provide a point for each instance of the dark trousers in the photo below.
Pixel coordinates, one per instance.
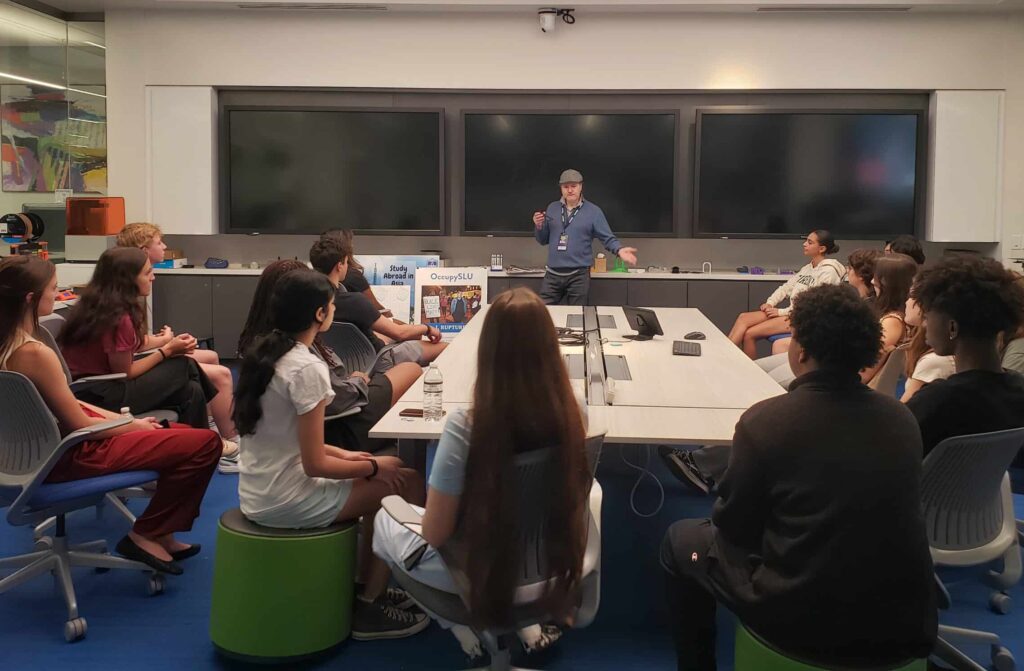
(184, 458)
(566, 290)
(693, 593)
(177, 384)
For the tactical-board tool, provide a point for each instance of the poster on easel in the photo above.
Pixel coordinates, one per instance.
(448, 298)
(395, 270)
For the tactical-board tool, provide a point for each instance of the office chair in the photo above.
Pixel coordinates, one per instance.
(968, 511)
(888, 376)
(351, 346)
(30, 446)
(531, 472)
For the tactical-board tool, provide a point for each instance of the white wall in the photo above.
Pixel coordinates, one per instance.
(602, 51)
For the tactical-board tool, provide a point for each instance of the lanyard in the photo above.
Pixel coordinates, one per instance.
(572, 215)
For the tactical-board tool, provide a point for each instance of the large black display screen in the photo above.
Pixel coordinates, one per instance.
(768, 174)
(513, 161)
(305, 171)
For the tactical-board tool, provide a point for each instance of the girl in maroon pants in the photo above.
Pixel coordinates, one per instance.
(185, 458)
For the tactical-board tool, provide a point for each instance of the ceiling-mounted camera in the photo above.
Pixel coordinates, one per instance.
(548, 17)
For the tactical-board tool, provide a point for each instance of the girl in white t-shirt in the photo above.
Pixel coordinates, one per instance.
(288, 477)
(924, 366)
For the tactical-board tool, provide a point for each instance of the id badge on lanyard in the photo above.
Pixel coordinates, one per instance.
(563, 239)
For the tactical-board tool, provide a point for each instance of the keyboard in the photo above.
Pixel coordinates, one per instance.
(684, 348)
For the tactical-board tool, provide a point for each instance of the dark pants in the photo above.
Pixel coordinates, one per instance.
(184, 458)
(712, 460)
(352, 432)
(693, 593)
(177, 384)
(566, 289)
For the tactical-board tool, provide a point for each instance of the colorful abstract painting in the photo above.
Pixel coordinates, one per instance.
(53, 140)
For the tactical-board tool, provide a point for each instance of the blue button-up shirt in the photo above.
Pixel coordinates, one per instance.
(589, 223)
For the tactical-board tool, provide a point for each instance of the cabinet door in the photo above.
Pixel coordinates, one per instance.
(528, 282)
(495, 285)
(657, 293)
(720, 300)
(232, 297)
(758, 293)
(183, 303)
(608, 292)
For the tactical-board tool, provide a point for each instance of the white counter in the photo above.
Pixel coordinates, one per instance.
(634, 275)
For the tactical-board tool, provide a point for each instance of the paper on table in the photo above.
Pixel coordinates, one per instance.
(395, 298)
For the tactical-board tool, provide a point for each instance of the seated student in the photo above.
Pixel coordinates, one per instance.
(923, 366)
(374, 395)
(289, 478)
(330, 256)
(894, 275)
(819, 479)
(184, 458)
(861, 271)
(771, 320)
(105, 329)
(511, 414)
(354, 279)
(967, 301)
(906, 244)
(1011, 343)
(149, 238)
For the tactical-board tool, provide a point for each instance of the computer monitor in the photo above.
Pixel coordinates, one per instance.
(645, 322)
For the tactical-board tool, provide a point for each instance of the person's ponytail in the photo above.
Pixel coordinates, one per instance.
(296, 298)
(257, 371)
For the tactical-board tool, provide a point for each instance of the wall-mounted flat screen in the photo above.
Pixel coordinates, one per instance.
(513, 161)
(306, 170)
(774, 174)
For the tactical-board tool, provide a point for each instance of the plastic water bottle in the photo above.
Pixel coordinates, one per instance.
(432, 384)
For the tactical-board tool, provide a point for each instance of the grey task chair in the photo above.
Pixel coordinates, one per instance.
(30, 446)
(351, 346)
(968, 511)
(531, 472)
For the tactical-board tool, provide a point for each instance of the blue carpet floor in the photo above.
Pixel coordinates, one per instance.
(129, 630)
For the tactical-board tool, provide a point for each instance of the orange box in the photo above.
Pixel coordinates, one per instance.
(95, 216)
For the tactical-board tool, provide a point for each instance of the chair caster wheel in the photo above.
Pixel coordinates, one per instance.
(156, 585)
(1000, 603)
(75, 629)
(1002, 659)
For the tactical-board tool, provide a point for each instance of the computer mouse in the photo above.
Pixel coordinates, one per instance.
(694, 335)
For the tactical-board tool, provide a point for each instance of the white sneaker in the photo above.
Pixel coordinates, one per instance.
(229, 457)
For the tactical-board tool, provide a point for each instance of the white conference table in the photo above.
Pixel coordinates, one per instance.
(671, 400)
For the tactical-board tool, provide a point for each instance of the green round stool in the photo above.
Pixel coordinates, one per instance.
(281, 594)
(754, 654)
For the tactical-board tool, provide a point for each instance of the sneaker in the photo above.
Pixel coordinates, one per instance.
(394, 596)
(682, 465)
(538, 642)
(398, 598)
(379, 620)
(228, 457)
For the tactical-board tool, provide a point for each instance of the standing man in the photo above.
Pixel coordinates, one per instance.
(570, 225)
